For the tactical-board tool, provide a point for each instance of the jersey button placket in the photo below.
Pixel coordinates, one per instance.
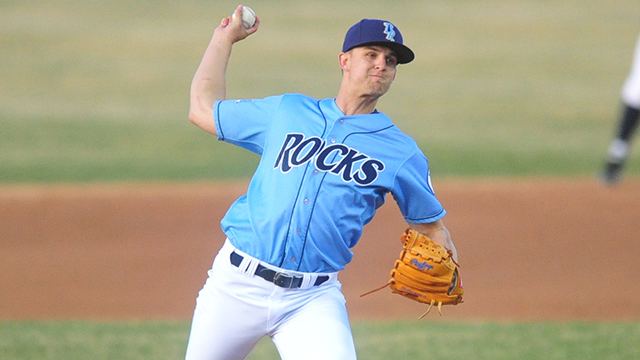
(292, 252)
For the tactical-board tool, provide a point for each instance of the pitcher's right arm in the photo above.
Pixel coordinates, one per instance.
(209, 82)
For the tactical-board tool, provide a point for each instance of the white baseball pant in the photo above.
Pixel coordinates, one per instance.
(235, 309)
(631, 87)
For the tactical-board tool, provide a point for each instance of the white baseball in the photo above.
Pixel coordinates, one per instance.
(248, 17)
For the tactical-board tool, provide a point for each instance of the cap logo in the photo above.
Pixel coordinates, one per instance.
(389, 31)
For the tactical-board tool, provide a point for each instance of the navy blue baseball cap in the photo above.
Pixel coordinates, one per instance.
(377, 32)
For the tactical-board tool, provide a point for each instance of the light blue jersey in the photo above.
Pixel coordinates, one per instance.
(320, 179)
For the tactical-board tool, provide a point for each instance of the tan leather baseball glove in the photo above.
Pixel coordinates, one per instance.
(425, 272)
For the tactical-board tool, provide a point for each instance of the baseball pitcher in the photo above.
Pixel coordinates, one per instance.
(326, 166)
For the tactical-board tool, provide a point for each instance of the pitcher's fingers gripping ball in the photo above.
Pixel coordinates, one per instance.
(248, 17)
(425, 272)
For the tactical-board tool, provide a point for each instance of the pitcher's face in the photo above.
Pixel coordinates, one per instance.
(369, 69)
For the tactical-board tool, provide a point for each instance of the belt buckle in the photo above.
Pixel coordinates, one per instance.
(283, 280)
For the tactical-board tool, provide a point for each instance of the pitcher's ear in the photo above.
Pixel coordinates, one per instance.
(343, 59)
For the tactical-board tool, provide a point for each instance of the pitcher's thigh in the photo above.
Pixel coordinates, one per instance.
(223, 328)
(319, 330)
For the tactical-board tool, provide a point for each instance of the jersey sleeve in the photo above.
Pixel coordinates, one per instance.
(245, 122)
(414, 193)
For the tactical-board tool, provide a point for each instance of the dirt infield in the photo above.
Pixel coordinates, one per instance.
(530, 249)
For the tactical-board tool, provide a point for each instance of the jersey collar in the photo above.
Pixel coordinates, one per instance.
(363, 122)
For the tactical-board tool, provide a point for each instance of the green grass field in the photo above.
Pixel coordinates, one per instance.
(97, 91)
(374, 340)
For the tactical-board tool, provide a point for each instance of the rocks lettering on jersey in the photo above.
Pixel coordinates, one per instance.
(338, 159)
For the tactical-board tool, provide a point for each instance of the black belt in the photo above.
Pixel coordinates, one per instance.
(278, 278)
